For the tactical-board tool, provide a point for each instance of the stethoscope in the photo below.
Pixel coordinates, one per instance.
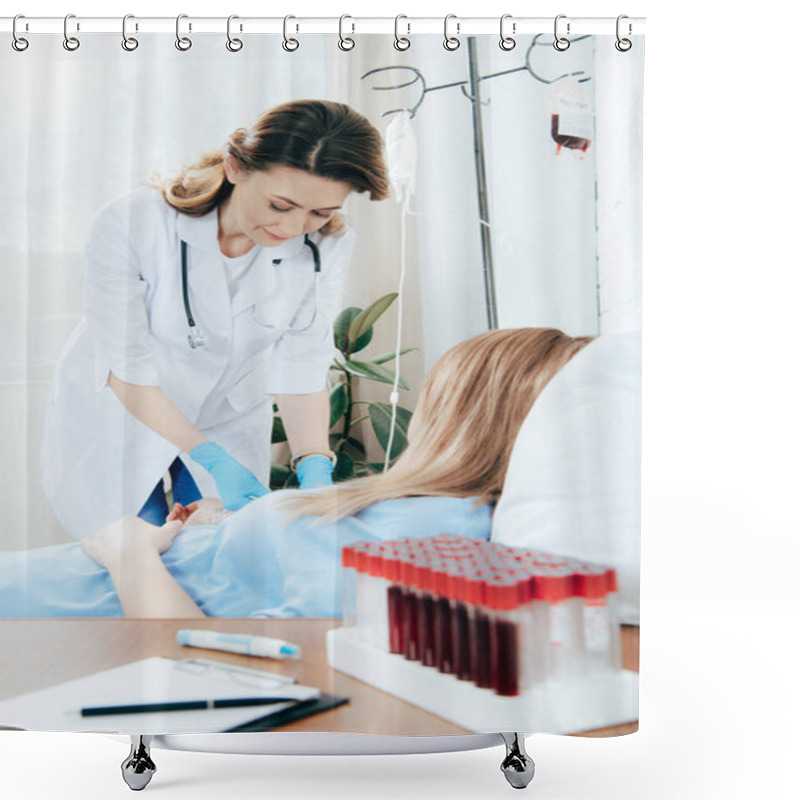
(196, 336)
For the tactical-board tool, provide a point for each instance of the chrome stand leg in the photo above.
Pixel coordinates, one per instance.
(518, 766)
(138, 768)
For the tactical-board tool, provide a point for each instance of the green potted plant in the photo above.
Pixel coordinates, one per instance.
(352, 333)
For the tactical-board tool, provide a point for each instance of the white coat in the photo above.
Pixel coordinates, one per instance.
(99, 461)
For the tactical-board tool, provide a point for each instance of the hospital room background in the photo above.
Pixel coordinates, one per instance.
(560, 242)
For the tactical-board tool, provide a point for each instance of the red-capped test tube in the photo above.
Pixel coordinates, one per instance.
(371, 587)
(506, 596)
(554, 585)
(480, 624)
(504, 618)
(601, 636)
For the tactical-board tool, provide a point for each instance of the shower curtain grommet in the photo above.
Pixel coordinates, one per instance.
(561, 43)
(451, 43)
(289, 44)
(623, 45)
(19, 43)
(234, 45)
(507, 42)
(129, 43)
(401, 43)
(346, 43)
(71, 43)
(183, 43)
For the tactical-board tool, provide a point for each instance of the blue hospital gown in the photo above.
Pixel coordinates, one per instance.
(257, 563)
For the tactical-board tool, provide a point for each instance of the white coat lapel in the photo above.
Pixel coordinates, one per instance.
(261, 279)
(208, 288)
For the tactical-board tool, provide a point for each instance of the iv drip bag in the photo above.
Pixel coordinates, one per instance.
(401, 155)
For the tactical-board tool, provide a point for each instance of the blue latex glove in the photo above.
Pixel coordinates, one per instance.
(315, 471)
(237, 486)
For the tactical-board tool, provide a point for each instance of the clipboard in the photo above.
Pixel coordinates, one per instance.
(158, 679)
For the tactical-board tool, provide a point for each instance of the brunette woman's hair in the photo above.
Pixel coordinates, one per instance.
(320, 137)
(469, 412)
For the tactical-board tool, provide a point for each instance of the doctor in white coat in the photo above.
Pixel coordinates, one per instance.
(208, 298)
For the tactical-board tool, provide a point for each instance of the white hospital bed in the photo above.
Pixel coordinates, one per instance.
(580, 444)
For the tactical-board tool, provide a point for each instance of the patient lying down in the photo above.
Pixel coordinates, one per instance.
(279, 556)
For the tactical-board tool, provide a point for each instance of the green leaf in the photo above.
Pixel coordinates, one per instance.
(291, 481)
(363, 369)
(355, 449)
(278, 475)
(338, 400)
(278, 431)
(361, 342)
(381, 416)
(341, 325)
(352, 444)
(343, 336)
(369, 316)
(384, 357)
(344, 468)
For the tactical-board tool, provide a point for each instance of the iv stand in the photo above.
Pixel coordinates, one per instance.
(474, 96)
(480, 171)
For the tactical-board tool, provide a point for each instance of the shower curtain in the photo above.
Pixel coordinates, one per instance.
(212, 253)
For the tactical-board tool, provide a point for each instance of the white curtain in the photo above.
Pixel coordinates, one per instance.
(81, 128)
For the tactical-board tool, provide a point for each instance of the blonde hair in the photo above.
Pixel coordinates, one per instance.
(320, 137)
(469, 412)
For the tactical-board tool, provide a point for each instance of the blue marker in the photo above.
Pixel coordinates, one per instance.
(239, 643)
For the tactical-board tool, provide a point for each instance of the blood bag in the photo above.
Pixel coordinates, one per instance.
(571, 115)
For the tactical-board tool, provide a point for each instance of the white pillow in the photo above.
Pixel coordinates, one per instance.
(573, 485)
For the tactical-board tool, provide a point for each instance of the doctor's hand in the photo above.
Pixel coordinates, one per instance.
(315, 471)
(206, 511)
(237, 486)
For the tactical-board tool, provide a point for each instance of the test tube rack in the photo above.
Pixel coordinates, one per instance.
(486, 635)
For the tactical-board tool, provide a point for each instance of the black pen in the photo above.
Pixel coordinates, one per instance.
(187, 705)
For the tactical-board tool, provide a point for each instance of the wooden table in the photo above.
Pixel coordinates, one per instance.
(38, 653)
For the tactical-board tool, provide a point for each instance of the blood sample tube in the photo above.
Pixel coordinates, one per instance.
(395, 597)
(363, 585)
(349, 590)
(592, 584)
(613, 613)
(462, 633)
(410, 607)
(555, 585)
(425, 608)
(442, 616)
(504, 597)
(378, 615)
(480, 627)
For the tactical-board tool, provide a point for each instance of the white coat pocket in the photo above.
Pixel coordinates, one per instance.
(251, 388)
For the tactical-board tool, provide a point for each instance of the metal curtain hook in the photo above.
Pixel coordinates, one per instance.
(128, 42)
(345, 42)
(290, 45)
(18, 42)
(234, 45)
(623, 45)
(182, 42)
(451, 42)
(401, 42)
(507, 42)
(70, 42)
(561, 43)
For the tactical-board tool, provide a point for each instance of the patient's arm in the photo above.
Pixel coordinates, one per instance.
(146, 589)
(130, 549)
